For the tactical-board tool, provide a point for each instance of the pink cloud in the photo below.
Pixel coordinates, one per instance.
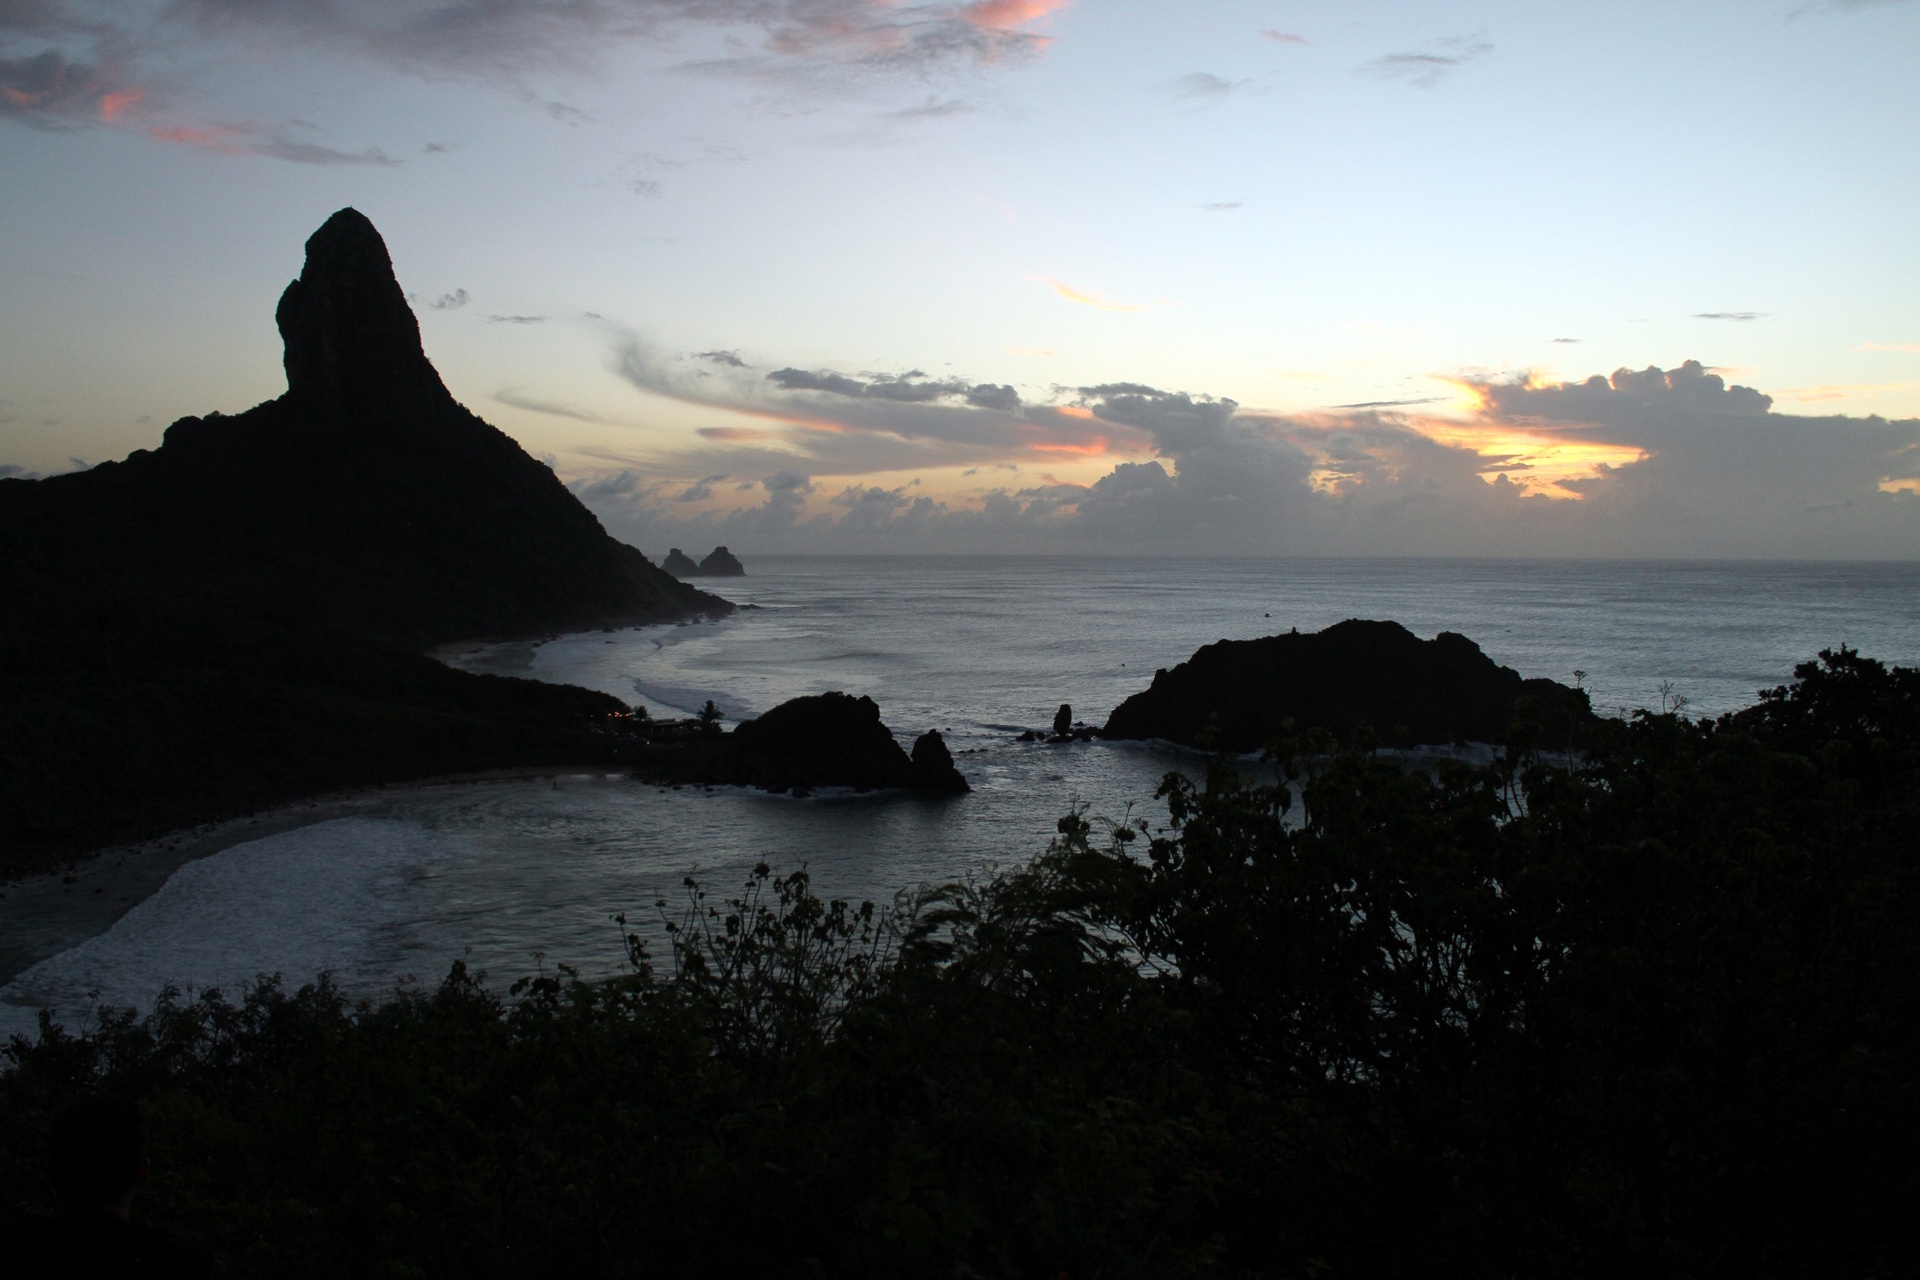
(1282, 37)
(1006, 15)
(113, 105)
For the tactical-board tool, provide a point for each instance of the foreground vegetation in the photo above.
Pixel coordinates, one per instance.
(1649, 1012)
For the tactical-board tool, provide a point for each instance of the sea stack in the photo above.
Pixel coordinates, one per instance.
(721, 564)
(1240, 694)
(680, 564)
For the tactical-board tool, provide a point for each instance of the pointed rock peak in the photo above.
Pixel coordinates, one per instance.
(352, 343)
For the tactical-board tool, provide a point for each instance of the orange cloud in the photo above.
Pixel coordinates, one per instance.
(1074, 411)
(113, 105)
(1908, 348)
(22, 98)
(1085, 297)
(1092, 447)
(1005, 15)
(1907, 484)
(1540, 462)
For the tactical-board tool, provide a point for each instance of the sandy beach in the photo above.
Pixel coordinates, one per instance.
(43, 915)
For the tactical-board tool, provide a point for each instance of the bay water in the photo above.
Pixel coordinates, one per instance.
(521, 875)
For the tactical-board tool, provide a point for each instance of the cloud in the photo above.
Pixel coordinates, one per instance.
(1669, 462)
(86, 71)
(701, 490)
(912, 387)
(839, 424)
(1009, 15)
(1569, 341)
(451, 301)
(518, 401)
(69, 63)
(729, 358)
(1200, 87)
(1908, 348)
(1222, 206)
(1002, 398)
(1085, 297)
(786, 498)
(1390, 404)
(621, 486)
(246, 140)
(51, 90)
(1282, 37)
(1740, 316)
(934, 109)
(1425, 69)
(516, 319)
(314, 153)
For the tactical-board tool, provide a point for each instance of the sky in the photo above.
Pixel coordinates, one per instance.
(1035, 276)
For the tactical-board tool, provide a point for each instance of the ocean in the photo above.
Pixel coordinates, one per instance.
(520, 876)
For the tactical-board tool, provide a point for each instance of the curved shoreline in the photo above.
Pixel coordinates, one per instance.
(44, 914)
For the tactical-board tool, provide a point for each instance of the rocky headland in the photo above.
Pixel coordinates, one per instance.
(1238, 695)
(237, 617)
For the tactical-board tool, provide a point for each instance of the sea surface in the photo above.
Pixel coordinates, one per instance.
(521, 876)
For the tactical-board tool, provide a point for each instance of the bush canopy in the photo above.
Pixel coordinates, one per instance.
(1647, 1010)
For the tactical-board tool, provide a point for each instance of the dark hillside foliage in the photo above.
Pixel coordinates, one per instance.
(1651, 1011)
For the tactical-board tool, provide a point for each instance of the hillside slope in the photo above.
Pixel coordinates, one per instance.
(236, 618)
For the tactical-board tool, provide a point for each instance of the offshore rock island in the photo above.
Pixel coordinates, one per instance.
(238, 617)
(721, 563)
(822, 740)
(1237, 695)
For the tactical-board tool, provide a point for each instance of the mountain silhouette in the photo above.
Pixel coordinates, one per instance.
(366, 496)
(288, 566)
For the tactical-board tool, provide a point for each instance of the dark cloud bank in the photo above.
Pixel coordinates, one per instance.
(68, 64)
(1723, 474)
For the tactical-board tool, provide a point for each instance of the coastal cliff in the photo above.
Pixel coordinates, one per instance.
(1411, 691)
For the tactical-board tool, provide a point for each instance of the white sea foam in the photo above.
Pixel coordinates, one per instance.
(334, 896)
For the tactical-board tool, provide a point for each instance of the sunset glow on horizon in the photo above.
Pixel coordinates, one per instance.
(1219, 277)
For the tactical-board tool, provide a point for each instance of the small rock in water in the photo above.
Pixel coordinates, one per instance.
(934, 763)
